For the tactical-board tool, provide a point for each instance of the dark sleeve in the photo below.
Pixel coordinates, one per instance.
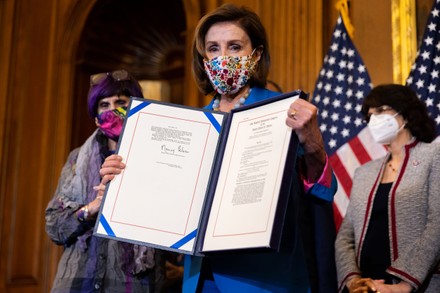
(318, 233)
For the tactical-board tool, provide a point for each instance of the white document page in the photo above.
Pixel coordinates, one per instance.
(168, 152)
(245, 200)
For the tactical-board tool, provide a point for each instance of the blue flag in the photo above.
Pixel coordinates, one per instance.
(342, 84)
(424, 77)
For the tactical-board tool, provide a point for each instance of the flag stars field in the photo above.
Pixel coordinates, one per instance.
(424, 75)
(341, 86)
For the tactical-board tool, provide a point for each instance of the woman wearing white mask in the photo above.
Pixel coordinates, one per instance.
(389, 239)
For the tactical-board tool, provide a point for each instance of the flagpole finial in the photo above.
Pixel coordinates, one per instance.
(342, 7)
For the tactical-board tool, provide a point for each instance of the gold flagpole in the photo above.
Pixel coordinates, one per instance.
(404, 38)
(342, 7)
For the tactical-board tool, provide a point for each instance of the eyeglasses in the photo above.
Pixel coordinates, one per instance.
(377, 111)
(117, 75)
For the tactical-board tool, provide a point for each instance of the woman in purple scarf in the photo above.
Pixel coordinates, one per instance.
(91, 263)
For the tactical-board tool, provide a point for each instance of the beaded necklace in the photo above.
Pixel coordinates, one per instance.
(216, 103)
(391, 167)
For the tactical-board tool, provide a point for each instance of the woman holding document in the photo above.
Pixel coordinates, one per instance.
(230, 62)
(91, 263)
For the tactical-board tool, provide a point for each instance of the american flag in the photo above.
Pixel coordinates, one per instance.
(341, 86)
(424, 77)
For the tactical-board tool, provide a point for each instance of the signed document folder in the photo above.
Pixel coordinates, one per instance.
(198, 181)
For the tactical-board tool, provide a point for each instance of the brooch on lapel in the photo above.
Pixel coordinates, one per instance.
(415, 163)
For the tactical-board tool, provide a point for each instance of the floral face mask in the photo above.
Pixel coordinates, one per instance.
(229, 74)
(111, 122)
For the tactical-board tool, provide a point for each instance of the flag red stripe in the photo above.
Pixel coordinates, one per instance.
(337, 216)
(344, 178)
(359, 150)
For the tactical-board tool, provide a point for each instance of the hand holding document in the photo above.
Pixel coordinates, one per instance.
(198, 181)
